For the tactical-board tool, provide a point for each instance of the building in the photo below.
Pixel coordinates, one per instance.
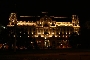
(47, 32)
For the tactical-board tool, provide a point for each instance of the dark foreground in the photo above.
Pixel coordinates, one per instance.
(62, 54)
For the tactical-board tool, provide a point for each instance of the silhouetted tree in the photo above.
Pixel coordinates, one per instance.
(35, 43)
(85, 38)
(74, 40)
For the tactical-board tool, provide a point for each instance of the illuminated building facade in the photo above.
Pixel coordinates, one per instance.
(47, 32)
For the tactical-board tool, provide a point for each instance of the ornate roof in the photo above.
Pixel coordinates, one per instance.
(45, 18)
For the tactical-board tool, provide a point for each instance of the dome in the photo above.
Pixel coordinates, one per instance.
(45, 18)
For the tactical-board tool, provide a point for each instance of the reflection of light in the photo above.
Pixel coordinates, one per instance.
(20, 36)
(28, 36)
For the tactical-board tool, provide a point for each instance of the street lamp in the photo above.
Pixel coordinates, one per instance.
(15, 26)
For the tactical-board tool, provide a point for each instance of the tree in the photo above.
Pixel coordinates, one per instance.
(74, 40)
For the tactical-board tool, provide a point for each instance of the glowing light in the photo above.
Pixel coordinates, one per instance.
(45, 43)
(4, 27)
(69, 32)
(61, 44)
(27, 16)
(66, 36)
(32, 32)
(66, 32)
(45, 37)
(14, 35)
(60, 17)
(44, 12)
(31, 42)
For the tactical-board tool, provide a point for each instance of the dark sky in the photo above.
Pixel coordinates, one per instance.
(55, 7)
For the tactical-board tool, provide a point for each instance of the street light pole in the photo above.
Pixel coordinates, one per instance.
(15, 25)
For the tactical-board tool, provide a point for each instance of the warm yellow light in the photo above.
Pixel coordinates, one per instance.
(45, 37)
(69, 32)
(31, 42)
(32, 32)
(66, 32)
(14, 35)
(66, 36)
(61, 44)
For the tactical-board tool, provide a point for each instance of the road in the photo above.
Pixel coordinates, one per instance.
(53, 55)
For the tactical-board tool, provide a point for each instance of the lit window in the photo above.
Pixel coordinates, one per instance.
(61, 44)
(45, 37)
(66, 32)
(69, 32)
(37, 41)
(32, 32)
(31, 42)
(66, 36)
(14, 35)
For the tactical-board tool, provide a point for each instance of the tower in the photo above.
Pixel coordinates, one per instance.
(75, 20)
(12, 18)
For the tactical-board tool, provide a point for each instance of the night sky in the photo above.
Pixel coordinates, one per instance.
(67, 8)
